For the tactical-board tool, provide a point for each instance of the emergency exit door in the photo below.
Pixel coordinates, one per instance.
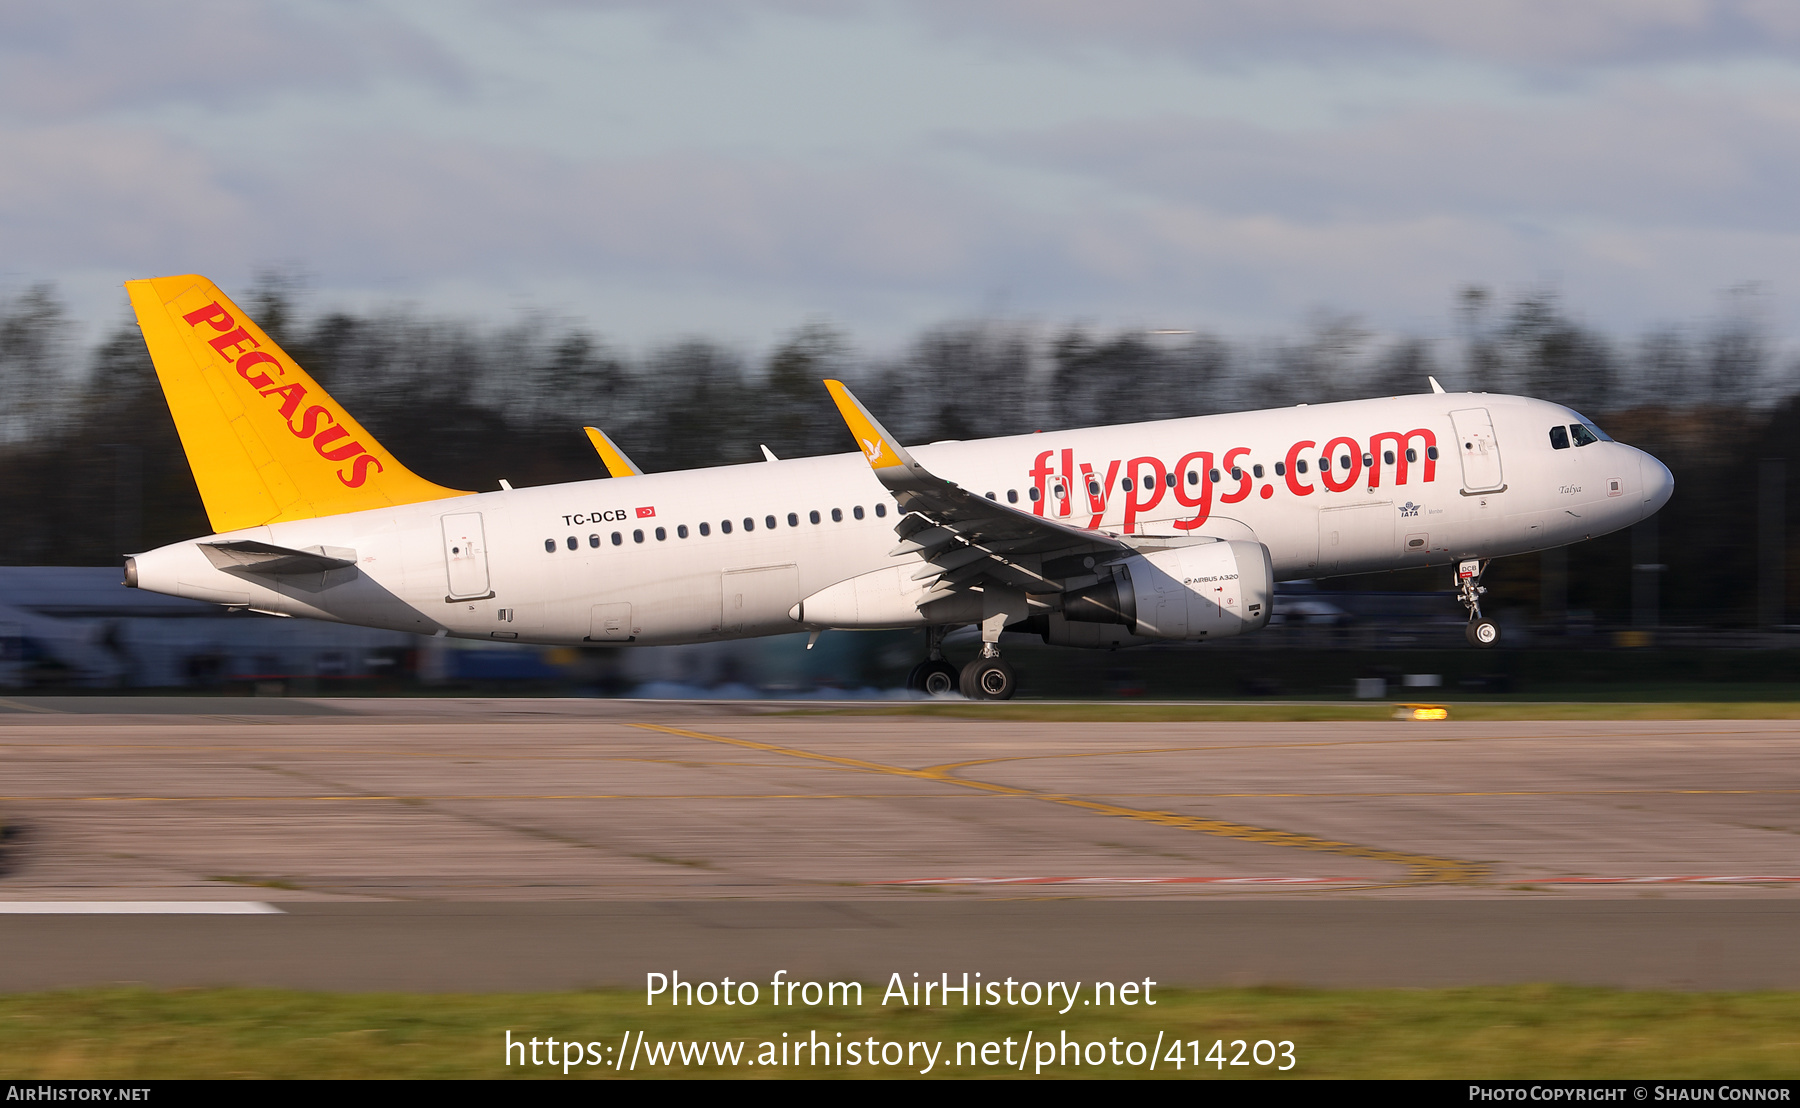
(1479, 449)
(465, 554)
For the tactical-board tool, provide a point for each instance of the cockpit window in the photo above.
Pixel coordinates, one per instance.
(1583, 434)
(1559, 438)
(1589, 426)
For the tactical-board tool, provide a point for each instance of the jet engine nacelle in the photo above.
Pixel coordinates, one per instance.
(1208, 591)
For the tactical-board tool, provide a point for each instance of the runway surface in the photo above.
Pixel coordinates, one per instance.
(523, 843)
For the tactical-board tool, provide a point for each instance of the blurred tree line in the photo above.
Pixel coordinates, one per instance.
(93, 468)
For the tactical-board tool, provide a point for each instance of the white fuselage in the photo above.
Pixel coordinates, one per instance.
(606, 560)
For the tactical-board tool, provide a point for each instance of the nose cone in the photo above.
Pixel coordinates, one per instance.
(1658, 483)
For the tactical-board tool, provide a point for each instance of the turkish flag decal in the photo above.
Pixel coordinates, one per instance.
(646, 513)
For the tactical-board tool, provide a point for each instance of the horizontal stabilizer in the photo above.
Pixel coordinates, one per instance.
(617, 463)
(276, 561)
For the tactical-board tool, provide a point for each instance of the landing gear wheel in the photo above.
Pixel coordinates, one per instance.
(988, 679)
(1483, 632)
(933, 678)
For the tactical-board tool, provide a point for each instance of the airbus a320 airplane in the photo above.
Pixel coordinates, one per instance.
(1104, 537)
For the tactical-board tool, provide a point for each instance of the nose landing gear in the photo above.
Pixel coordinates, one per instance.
(1482, 631)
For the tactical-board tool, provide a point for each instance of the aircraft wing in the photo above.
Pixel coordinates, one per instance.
(961, 535)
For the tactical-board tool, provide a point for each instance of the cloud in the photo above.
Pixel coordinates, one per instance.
(1533, 34)
(64, 60)
(891, 241)
(1641, 155)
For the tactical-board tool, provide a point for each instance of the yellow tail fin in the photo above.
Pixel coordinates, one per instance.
(265, 442)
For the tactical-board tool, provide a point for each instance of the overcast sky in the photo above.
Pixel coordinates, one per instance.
(737, 169)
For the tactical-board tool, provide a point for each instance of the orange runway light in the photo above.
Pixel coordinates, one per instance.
(1421, 711)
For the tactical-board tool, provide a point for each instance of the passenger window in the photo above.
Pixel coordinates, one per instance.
(749, 524)
(637, 536)
(618, 539)
(858, 512)
(1193, 477)
(1125, 484)
(1300, 465)
(1281, 469)
(1213, 476)
(1387, 457)
(1012, 497)
(1582, 435)
(793, 519)
(681, 531)
(1237, 474)
(662, 535)
(880, 511)
(1368, 462)
(1256, 471)
(1411, 454)
(1559, 438)
(837, 515)
(724, 527)
(813, 515)
(705, 529)
(574, 543)
(769, 522)
(1149, 481)
(1093, 488)
(594, 540)
(1324, 465)
(1343, 461)
(1033, 494)
(1431, 452)
(549, 546)
(989, 495)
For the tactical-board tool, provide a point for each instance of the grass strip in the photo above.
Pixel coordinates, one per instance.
(1502, 1032)
(1308, 711)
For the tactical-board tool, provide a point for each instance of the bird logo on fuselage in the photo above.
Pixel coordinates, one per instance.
(872, 449)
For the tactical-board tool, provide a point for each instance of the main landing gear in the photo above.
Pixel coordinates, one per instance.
(988, 677)
(934, 676)
(985, 678)
(1482, 631)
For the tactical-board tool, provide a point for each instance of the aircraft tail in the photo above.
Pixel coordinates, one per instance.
(265, 442)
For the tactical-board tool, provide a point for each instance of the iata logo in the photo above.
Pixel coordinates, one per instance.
(1409, 509)
(317, 423)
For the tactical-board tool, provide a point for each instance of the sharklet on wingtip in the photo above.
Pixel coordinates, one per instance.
(877, 444)
(611, 456)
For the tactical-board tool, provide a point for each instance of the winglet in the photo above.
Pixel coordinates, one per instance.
(1435, 387)
(882, 449)
(617, 463)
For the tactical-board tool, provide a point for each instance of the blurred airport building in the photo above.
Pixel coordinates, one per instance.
(80, 629)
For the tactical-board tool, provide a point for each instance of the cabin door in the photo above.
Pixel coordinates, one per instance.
(465, 553)
(1480, 451)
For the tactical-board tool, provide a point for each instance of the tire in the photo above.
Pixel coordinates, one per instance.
(937, 678)
(989, 679)
(1483, 633)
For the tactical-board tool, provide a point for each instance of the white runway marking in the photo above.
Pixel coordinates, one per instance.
(138, 908)
(1684, 880)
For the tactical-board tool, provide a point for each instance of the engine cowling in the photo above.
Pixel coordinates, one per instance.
(1208, 591)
